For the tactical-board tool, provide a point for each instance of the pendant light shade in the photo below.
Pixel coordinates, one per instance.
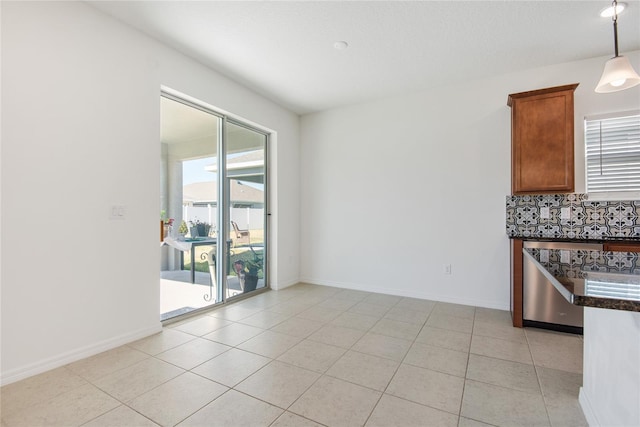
(618, 73)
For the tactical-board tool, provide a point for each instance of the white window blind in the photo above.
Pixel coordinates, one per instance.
(613, 153)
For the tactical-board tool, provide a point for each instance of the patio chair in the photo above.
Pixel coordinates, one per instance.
(241, 236)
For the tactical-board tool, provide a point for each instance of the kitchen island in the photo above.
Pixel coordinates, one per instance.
(607, 284)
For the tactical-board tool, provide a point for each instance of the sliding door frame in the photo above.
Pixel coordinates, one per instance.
(266, 212)
(224, 201)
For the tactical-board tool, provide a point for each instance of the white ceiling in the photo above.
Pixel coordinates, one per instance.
(284, 49)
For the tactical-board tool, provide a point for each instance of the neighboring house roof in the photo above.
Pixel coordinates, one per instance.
(251, 156)
(247, 167)
(203, 192)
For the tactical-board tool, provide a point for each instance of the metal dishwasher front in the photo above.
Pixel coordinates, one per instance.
(542, 304)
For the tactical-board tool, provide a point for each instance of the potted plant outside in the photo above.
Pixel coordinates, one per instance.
(183, 229)
(247, 272)
(199, 228)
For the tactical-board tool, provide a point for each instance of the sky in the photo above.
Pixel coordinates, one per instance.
(193, 170)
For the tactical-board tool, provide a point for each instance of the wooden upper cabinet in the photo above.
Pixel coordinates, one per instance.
(542, 140)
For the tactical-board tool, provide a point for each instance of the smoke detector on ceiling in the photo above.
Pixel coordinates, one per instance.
(340, 45)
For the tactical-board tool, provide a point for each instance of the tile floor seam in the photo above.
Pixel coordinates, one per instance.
(138, 412)
(503, 386)
(384, 392)
(535, 367)
(421, 404)
(178, 366)
(464, 388)
(358, 384)
(237, 391)
(480, 421)
(108, 394)
(126, 402)
(302, 394)
(208, 360)
(341, 379)
(466, 372)
(386, 388)
(209, 379)
(375, 406)
(321, 374)
(111, 410)
(297, 415)
(250, 396)
(503, 360)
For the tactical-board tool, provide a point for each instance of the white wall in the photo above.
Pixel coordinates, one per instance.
(80, 115)
(394, 189)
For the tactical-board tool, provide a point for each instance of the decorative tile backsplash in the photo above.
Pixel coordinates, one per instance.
(572, 216)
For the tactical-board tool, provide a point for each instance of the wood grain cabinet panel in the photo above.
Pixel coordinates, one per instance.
(516, 282)
(622, 246)
(542, 142)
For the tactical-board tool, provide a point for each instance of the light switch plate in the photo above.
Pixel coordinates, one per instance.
(544, 255)
(544, 213)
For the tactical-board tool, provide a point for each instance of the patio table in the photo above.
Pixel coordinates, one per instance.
(189, 245)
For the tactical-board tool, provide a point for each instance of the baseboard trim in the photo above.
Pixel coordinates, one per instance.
(402, 293)
(587, 409)
(281, 285)
(75, 355)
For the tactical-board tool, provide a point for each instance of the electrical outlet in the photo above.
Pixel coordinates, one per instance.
(544, 213)
(565, 213)
(565, 257)
(117, 212)
(447, 269)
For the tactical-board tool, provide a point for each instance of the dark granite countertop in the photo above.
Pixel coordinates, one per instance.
(602, 239)
(592, 278)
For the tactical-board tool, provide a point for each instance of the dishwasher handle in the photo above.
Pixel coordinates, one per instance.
(572, 246)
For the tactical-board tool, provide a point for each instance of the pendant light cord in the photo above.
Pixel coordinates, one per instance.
(615, 26)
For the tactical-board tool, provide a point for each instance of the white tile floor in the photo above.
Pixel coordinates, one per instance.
(312, 355)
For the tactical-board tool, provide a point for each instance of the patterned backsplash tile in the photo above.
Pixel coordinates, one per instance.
(572, 216)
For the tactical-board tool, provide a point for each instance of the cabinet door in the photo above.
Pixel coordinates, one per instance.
(542, 141)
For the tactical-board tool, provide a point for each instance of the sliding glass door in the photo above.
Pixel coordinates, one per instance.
(190, 139)
(245, 173)
(213, 246)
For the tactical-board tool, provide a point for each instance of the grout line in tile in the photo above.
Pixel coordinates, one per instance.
(535, 367)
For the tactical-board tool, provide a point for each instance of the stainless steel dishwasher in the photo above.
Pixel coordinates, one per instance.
(542, 304)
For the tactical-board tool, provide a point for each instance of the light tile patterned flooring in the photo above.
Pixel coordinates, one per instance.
(312, 355)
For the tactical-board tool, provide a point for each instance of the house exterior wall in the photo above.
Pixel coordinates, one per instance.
(81, 124)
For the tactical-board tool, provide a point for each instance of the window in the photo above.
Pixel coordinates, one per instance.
(613, 152)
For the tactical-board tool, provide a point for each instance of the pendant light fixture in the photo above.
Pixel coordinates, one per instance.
(618, 73)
